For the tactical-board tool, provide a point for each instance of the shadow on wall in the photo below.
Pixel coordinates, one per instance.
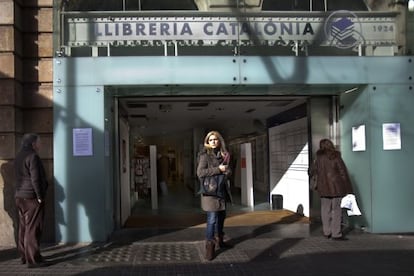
(357, 221)
(59, 194)
(83, 196)
(7, 174)
(77, 208)
(48, 235)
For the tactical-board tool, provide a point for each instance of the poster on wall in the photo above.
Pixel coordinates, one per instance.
(391, 136)
(82, 141)
(358, 138)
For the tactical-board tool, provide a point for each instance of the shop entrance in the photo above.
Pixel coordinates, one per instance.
(167, 132)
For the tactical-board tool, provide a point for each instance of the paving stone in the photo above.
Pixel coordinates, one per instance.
(254, 255)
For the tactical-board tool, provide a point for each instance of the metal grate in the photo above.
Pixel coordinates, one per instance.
(166, 252)
(121, 254)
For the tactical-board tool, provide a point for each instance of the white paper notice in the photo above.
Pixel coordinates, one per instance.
(358, 138)
(391, 135)
(82, 141)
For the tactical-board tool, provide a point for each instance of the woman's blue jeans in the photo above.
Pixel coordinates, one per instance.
(215, 224)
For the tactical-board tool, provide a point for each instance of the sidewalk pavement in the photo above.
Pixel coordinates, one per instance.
(287, 249)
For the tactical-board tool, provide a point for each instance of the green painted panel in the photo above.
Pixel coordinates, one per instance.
(80, 184)
(216, 70)
(355, 111)
(324, 70)
(146, 70)
(383, 178)
(392, 170)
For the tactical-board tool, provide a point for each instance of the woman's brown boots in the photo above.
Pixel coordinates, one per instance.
(210, 248)
(212, 245)
(220, 244)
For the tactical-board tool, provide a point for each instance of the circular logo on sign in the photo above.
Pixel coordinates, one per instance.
(343, 30)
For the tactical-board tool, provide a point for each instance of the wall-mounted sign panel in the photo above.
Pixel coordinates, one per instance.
(82, 142)
(358, 138)
(343, 30)
(391, 136)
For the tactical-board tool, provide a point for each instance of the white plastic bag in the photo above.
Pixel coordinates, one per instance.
(349, 202)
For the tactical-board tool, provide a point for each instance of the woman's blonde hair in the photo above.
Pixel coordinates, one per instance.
(327, 146)
(222, 144)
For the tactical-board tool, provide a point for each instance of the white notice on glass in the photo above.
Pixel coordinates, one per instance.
(391, 135)
(82, 141)
(358, 138)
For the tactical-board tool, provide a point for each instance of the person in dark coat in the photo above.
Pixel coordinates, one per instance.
(214, 160)
(333, 184)
(31, 186)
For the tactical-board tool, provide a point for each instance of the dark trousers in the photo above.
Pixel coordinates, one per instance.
(31, 214)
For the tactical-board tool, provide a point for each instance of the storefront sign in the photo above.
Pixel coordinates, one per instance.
(341, 30)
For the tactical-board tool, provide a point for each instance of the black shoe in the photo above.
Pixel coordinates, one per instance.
(342, 238)
(41, 259)
(37, 265)
(327, 236)
(223, 245)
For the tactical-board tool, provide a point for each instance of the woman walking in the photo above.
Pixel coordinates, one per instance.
(213, 160)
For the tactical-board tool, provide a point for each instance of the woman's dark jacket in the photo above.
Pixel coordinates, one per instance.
(333, 179)
(31, 179)
(208, 165)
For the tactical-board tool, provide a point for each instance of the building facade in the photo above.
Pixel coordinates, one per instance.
(26, 101)
(71, 68)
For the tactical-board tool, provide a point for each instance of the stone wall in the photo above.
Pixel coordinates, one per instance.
(26, 52)
(410, 33)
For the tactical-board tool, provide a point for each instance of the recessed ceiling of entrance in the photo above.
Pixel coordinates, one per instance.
(237, 115)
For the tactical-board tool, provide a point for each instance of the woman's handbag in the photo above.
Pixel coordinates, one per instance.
(213, 185)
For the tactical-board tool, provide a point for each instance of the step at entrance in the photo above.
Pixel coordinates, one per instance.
(198, 219)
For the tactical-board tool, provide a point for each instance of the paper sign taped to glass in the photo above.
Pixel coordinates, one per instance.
(349, 202)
